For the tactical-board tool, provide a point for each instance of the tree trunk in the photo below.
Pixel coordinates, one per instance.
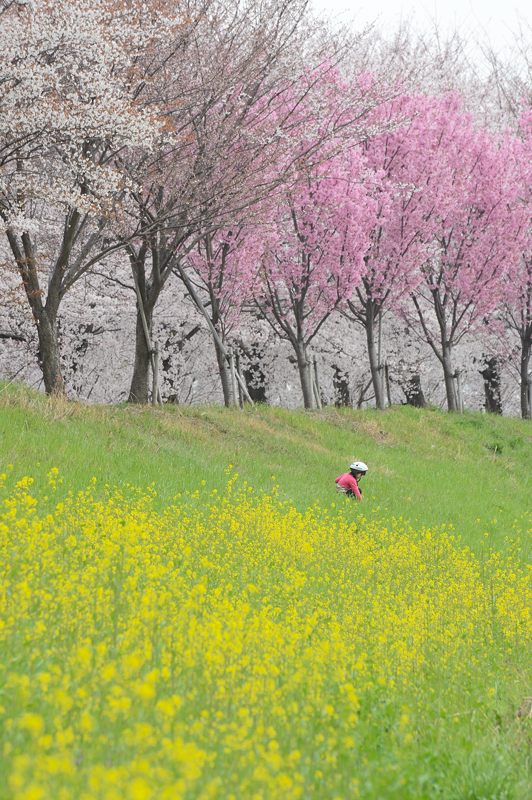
(49, 356)
(140, 381)
(225, 377)
(376, 372)
(253, 373)
(526, 410)
(342, 395)
(413, 391)
(304, 365)
(492, 385)
(44, 315)
(448, 375)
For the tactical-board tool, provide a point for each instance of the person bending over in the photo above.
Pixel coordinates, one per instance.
(348, 483)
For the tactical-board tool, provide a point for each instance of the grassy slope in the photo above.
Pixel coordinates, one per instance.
(472, 471)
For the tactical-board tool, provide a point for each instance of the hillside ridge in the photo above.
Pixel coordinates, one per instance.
(472, 470)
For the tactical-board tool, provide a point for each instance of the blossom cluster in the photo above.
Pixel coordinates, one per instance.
(228, 645)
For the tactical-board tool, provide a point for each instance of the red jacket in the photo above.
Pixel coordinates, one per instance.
(349, 483)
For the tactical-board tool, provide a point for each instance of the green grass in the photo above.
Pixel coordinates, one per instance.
(430, 636)
(471, 471)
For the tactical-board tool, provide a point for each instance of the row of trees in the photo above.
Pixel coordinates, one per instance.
(276, 169)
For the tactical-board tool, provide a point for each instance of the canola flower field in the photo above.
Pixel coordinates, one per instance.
(227, 645)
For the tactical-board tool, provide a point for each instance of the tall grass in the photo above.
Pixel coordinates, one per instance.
(472, 471)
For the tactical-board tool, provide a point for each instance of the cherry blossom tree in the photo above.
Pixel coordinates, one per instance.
(68, 95)
(300, 126)
(245, 95)
(469, 176)
(517, 285)
(314, 255)
(508, 99)
(507, 86)
(223, 269)
(397, 240)
(233, 57)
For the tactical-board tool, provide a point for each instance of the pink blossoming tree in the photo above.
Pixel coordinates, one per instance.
(468, 177)
(314, 256)
(517, 284)
(397, 240)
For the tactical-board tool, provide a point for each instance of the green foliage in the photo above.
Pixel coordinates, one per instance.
(471, 471)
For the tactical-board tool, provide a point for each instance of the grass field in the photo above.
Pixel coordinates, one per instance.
(472, 471)
(188, 610)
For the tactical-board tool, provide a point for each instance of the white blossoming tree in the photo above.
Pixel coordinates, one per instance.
(69, 89)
